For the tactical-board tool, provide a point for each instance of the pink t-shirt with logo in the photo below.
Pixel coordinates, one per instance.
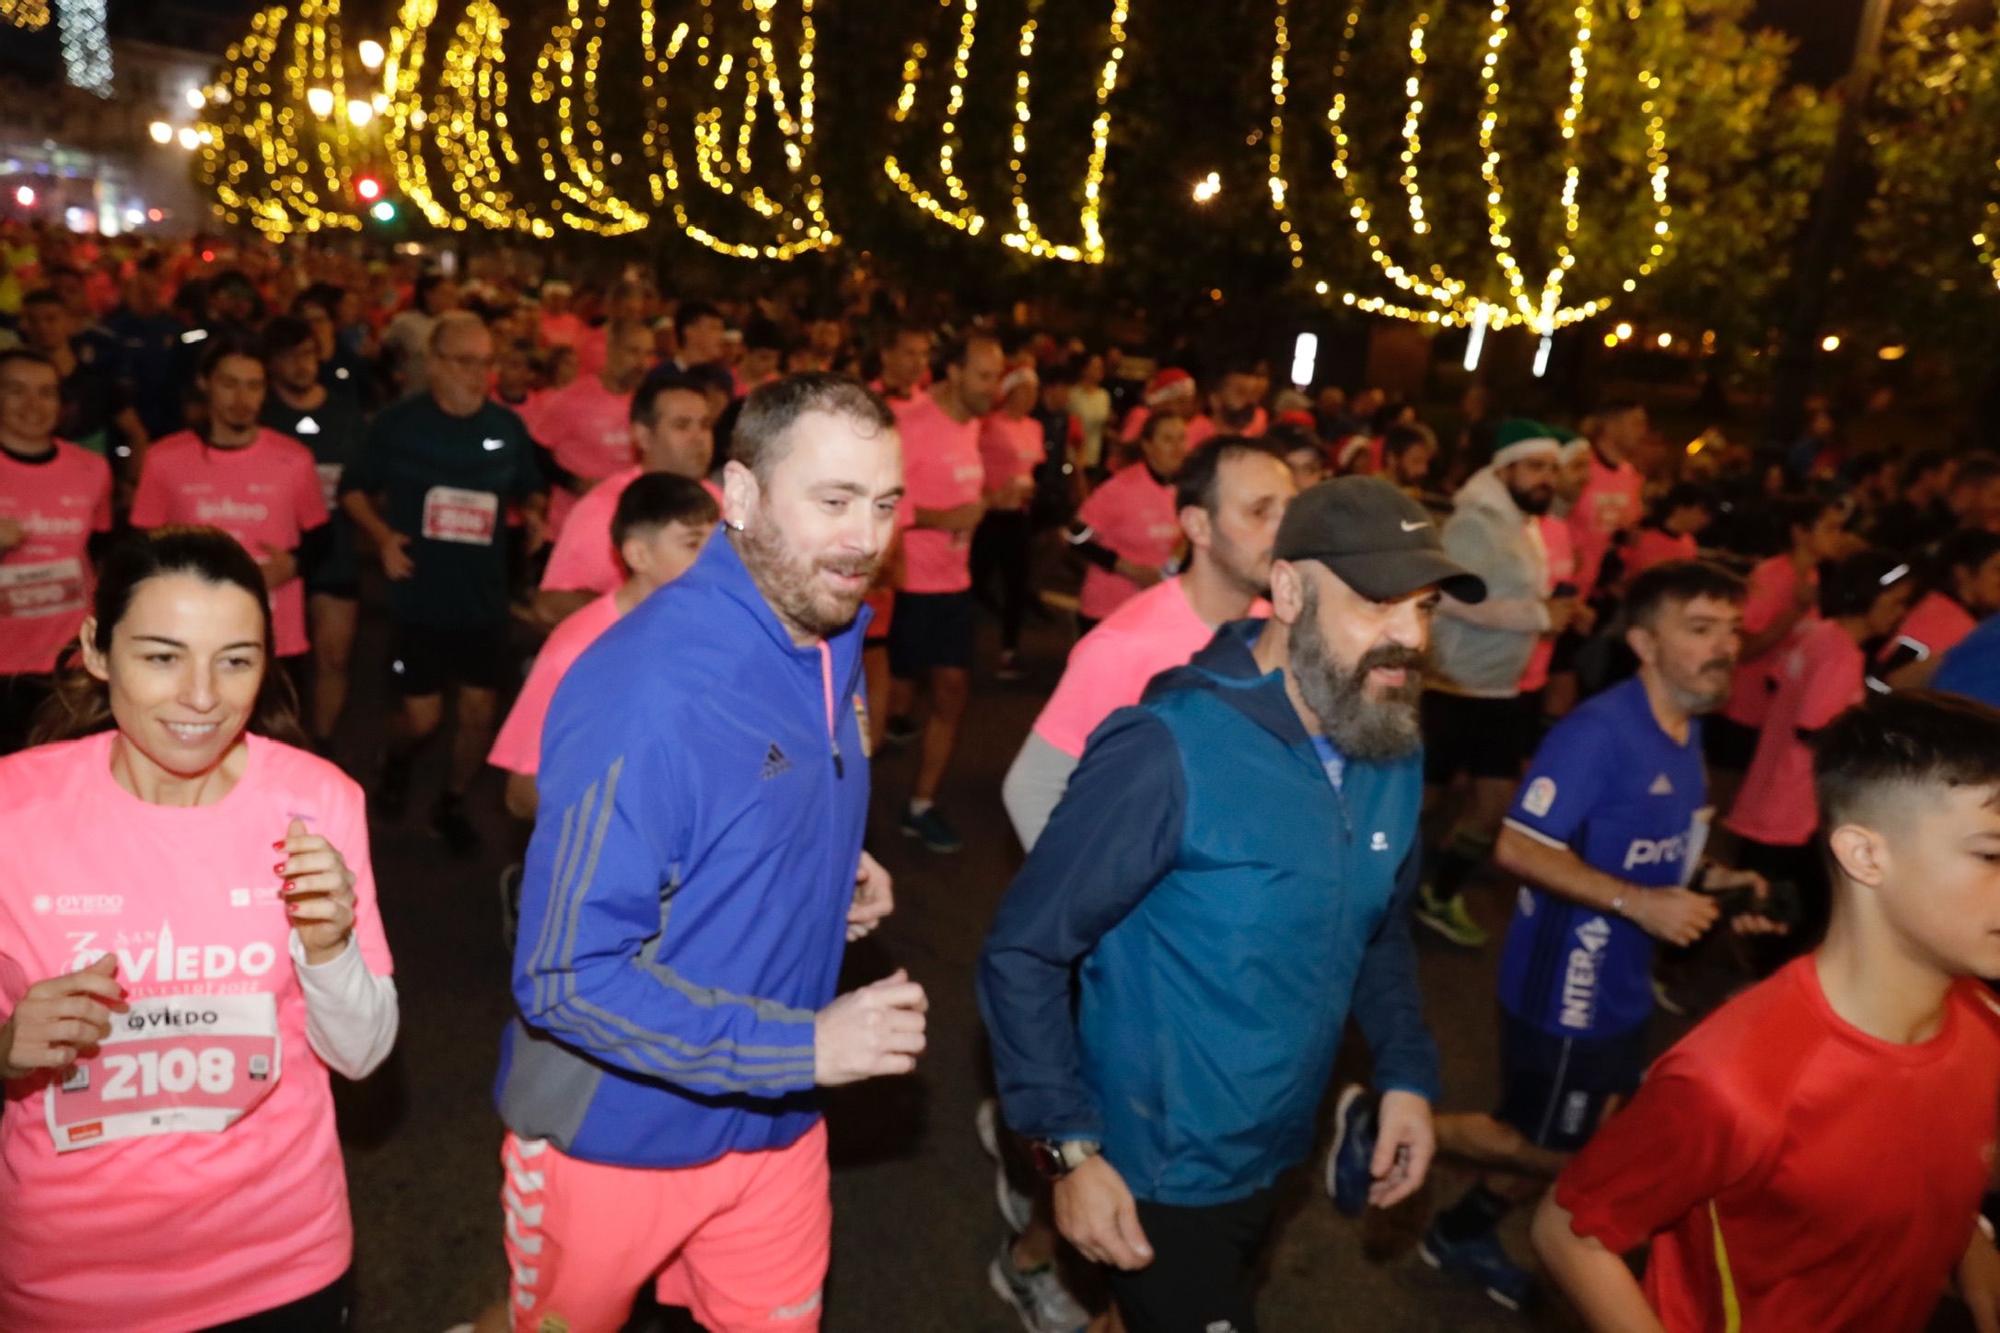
(1562, 569)
(1010, 449)
(265, 495)
(1935, 624)
(1773, 584)
(517, 747)
(1109, 667)
(1608, 505)
(583, 559)
(142, 1226)
(882, 601)
(1133, 515)
(1819, 675)
(45, 581)
(941, 470)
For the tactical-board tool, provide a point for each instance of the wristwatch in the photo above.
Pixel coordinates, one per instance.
(1056, 1158)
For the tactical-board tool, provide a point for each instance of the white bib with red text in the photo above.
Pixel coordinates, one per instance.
(453, 515)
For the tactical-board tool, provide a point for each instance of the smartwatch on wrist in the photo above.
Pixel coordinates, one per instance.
(1056, 1158)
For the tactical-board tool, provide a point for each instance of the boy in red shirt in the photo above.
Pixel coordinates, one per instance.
(1812, 1156)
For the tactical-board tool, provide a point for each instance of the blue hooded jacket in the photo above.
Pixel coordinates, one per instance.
(1229, 906)
(704, 788)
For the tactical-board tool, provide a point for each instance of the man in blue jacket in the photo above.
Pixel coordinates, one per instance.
(695, 873)
(1232, 866)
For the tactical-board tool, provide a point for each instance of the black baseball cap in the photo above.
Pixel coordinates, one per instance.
(1380, 542)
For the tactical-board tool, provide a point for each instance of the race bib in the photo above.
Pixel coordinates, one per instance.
(178, 1064)
(452, 515)
(48, 588)
(329, 482)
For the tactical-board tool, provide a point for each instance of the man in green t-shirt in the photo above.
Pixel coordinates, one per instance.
(431, 493)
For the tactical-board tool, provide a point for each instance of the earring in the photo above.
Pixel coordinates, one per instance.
(735, 525)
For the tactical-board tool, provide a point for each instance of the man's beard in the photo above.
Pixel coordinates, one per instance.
(1534, 501)
(1250, 574)
(1360, 726)
(1695, 700)
(791, 581)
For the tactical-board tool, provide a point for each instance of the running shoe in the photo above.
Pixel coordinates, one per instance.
(1481, 1261)
(1017, 1210)
(448, 821)
(933, 830)
(1038, 1295)
(1355, 1121)
(1450, 919)
(900, 731)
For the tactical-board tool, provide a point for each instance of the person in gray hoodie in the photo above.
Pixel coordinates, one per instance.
(1475, 721)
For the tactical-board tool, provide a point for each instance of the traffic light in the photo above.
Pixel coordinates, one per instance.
(384, 211)
(368, 188)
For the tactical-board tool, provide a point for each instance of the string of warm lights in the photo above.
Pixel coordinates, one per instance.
(806, 228)
(580, 179)
(965, 217)
(1027, 237)
(1987, 240)
(1451, 302)
(30, 15)
(270, 146)
(467, 120)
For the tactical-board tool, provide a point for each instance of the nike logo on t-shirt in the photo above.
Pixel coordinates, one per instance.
(1413, 527)
(491, 444)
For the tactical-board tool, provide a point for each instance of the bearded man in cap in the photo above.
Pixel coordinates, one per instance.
(1477, 722)
(1227, 877)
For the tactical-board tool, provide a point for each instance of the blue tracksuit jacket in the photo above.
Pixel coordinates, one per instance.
(684, 902)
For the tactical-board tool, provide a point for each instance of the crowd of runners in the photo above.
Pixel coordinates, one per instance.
(678, 570)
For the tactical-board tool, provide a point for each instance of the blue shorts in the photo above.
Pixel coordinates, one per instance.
(1554, 1090)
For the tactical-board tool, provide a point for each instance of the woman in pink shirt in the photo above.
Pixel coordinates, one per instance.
(1783, 589)
(1671, 531)
(1817, 677)
(185, 956)
(1011, 447)
(1967, 591)
(1128, 530)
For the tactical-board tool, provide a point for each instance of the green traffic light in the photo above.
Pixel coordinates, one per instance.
(383, 212)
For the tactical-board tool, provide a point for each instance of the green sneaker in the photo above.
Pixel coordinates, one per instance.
(1450, 919)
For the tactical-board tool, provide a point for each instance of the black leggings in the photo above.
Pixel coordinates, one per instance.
(325, 1311)
(1001, 546)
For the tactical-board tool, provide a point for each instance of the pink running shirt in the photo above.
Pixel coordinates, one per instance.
(189, 1228)
(518, 746)
(1935, 625)
(1010, 449)
(882, 601)
(583, 559)
(265, 495)
(1819, 677)
(1133, 515)
(1608, 505)
(45, 581)
(1773, 583)
(941, 470)
(588, 429)
(1651, 546)
(1109, 667)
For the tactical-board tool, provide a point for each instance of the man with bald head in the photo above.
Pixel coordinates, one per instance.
(429, 495)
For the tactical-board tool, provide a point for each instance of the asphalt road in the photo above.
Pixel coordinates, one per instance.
(914, 1218)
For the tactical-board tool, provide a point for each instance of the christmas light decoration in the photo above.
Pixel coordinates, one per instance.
(580, 177)
(86, 49)
(965, 217)
(798, 227)
(1027, 237)
(467, 120)
(271, 150)
(1444, 299)
(30, 15)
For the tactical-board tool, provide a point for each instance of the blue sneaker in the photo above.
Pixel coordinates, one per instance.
(932, 829)
(1354, 1124)
(1481, 1261)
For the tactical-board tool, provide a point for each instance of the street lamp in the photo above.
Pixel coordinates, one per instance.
(359, 113)
(163, 133)
(370, 52)
(320, 102)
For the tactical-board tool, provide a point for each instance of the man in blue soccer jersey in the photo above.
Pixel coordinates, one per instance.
(1605, 833)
